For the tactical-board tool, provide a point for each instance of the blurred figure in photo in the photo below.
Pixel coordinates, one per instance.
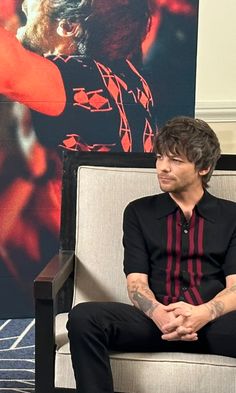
(83, 81)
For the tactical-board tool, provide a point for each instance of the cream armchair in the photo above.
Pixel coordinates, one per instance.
(96, 189)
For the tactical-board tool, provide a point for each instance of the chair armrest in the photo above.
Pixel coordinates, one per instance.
(46, 287)
(53, 276)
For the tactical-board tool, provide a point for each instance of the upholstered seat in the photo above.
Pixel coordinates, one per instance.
(96, 189)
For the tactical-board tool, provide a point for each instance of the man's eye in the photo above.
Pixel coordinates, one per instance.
(176, 160)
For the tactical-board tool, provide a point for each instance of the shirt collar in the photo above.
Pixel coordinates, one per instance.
(206, 207)
(165, 205)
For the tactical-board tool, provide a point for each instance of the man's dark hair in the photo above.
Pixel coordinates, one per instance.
(192, 138)
(110, 29)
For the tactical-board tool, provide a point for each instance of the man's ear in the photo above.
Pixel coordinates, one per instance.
(203, 172)
(67, 29)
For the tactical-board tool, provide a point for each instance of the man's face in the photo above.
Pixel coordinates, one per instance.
(39, 33)
(176, 174)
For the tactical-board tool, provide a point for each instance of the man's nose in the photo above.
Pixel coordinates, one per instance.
(164, 165)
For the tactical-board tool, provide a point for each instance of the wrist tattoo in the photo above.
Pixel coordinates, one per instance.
(145, 304)
(227, 291)
(233, 288)
(216, 308)
(152, 309)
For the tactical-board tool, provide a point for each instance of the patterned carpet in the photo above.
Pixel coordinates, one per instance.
(17, 355)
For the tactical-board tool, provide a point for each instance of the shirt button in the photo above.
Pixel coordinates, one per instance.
(185, 231)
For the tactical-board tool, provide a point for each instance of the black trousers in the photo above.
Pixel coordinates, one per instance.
(95, 328)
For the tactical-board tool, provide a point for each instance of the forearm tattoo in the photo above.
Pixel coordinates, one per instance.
(233, 288)
(216, 308)
(143, 302)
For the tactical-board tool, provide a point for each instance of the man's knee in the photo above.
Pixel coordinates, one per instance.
(82, 317)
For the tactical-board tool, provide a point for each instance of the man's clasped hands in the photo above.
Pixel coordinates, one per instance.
(181, 321)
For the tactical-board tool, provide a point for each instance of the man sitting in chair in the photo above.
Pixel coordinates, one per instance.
(180, 263)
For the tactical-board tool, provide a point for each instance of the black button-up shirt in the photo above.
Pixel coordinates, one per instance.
(184, 260)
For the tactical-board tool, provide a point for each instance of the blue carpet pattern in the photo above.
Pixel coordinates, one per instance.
(17, 355)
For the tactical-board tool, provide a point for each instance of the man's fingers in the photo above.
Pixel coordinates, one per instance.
(169, 327)
(182, 312)
(170, 336)
(173, 325)
(178, 311)
(174, 336)
(189, 337)
(181, 331)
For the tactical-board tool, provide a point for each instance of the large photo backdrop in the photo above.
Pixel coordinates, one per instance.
(82, 75)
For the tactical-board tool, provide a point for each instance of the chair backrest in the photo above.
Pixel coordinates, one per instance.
(102, 194)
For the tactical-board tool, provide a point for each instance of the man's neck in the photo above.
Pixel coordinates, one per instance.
(187, 200)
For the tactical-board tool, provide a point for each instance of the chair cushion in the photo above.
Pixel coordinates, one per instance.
(135, 372)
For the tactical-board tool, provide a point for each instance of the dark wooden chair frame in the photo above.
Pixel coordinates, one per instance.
(54, 285)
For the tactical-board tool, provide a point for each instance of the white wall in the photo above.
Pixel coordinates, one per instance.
(216, 69)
